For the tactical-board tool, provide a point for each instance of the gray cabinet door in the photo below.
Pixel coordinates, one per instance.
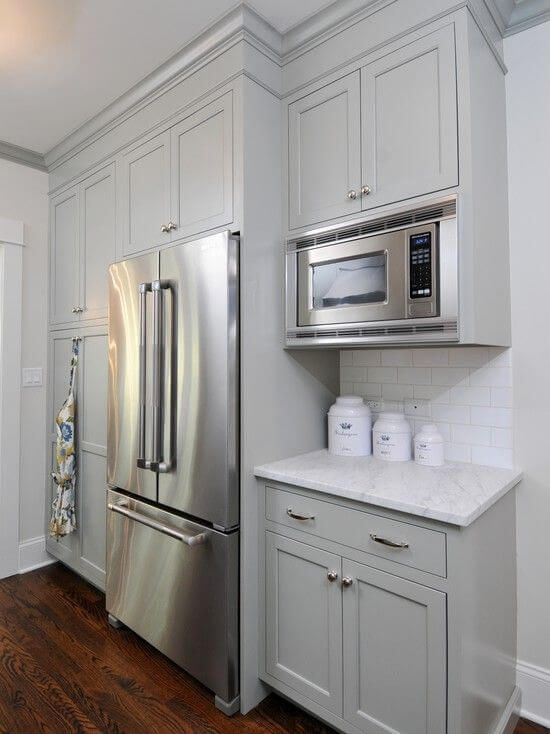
(145, 195)
(324, 153)
(64, 256)
(395, 648)
(202, 169)
(304, 620)
(409, 120)
(97, 241)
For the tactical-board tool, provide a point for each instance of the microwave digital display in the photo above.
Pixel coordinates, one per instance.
(420, 265)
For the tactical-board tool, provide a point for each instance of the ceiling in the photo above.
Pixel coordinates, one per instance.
(62, 61)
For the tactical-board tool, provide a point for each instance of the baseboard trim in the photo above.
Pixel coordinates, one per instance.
(535, 686)
(510, 716)
(33, 554)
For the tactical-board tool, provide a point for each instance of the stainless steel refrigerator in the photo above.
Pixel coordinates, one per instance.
(172, 457)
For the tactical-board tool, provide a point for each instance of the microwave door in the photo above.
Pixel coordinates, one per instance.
(130, 390)
(352, 282)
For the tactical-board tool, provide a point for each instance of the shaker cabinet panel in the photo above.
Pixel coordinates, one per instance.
(304, 620)
(409, 120)
(394, 653)
(97, 241)
(145, 195)
(64, 256)
(202, 170)
(324, 153)
(93, 500)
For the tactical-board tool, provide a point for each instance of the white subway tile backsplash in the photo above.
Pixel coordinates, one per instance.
(496, 417)
(472, 435)
(414, 375)
(450, 375)
(396, 392)
(397, 357)
(382, 374)
(490, 456)
(465, 391)
(366, 357)
(451, 413)
(461, 395)
(491, 377)
(430, 357)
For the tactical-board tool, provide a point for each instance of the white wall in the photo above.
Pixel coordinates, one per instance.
(23, 196)
(527, 56)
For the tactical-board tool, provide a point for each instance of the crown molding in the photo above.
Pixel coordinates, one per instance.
(527, 14)
(24, 156)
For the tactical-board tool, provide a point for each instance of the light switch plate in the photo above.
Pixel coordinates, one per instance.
(32, 377)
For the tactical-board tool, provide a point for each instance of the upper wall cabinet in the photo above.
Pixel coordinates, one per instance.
(409, 121)
(379, 135)
(83, 245)
(324, 153)
(180, 182)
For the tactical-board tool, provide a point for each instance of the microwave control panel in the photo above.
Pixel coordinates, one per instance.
(420, 265)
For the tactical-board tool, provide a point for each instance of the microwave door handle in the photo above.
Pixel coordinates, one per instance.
(142, 462)
(159, 388)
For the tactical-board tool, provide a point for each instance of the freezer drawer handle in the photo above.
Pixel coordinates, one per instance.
(144, 288)
(197, 539)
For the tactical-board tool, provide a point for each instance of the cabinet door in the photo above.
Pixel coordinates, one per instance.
(304, 620)
(409, 120)
(324, 153)
(97, 241)
(202, 169)
(92, 456)
(64, 256)
(145, 195)
(395, 650)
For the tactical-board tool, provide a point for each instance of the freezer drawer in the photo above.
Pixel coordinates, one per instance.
(175, 583)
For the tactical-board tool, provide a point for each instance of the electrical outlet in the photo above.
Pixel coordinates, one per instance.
(32, 377)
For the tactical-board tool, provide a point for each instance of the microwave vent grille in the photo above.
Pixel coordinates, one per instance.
(399, 221)
(448, 328)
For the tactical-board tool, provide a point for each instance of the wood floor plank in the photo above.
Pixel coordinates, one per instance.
(64, 669)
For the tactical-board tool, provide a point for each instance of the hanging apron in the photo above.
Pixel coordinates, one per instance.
(63, 517)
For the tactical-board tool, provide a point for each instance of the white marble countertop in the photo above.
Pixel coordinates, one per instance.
(453, 493)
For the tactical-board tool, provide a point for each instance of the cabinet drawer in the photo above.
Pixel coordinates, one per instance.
(421, 548)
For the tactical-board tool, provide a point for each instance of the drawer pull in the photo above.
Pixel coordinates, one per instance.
(296, 516)
(400, 544)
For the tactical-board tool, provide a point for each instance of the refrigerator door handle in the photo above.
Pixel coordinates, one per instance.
(197, 539)
(159, 463)
(142, 462)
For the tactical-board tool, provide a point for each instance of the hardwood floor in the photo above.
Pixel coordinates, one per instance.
(64, 669)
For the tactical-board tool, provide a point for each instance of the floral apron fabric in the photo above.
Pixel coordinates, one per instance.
(63, 517)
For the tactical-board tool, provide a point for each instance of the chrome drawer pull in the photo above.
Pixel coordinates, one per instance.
(197, 539)
(294, 515)
(386, 541)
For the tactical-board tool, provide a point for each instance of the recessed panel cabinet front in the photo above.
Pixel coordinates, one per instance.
(145, 195)
(324, 153)
(304, 620)
(202, 170)
(409, 120)
(64, 256)
(395, 646)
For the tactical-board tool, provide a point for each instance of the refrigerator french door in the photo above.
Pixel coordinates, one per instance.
(172, 457)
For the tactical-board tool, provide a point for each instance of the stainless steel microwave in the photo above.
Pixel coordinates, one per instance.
(389, 279)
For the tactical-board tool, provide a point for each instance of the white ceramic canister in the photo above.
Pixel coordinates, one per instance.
(392, 438)
(349, 427)
(428, 446)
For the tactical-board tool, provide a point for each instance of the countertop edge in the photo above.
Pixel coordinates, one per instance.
(261, 472)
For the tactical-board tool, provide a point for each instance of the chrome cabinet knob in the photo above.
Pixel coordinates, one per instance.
(78, 309)
(347, 581)
(332, 575)
(365, 190)
(164, 228)
(172, 225)
(352, 194)
(74, 309)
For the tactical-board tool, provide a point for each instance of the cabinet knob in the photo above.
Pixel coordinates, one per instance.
(365, 190)
(332, 575)
(172, 225)
(352, 194)
(164, 228)
(74, 310)
(347, 581)
(77, 309)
